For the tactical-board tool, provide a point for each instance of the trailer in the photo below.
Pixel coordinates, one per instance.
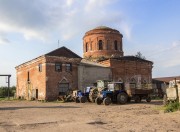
(120, 93)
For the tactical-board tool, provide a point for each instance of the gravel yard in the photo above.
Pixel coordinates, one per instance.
(28, 116)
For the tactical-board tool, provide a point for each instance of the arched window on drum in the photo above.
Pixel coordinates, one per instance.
(86, 47)
(115, 45)
(100, 43)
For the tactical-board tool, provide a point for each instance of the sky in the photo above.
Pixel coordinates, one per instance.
(30, 28)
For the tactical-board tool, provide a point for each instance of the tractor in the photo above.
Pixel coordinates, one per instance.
(118, 92)
(81, 97)
(114, 92)
(94, 91)
(172, 92)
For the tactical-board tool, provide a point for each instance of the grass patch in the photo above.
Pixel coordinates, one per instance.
(6, 98)
(172, 107)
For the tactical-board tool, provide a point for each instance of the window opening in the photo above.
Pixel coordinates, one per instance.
(115, 45)
(40, 67)
(68, 67)
(58, 67)
(100, 45)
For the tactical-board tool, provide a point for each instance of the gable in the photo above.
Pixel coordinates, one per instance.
(63, 52)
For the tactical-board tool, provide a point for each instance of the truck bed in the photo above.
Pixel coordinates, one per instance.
(133, 91)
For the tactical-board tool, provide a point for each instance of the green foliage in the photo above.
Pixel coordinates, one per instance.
(139, 55)
(172, 106)
(4, 91)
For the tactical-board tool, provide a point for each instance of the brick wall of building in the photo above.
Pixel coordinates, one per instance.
(54, 78)
(26, 88)
(125, 70)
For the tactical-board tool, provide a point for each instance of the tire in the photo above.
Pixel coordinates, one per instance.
(98, 101)
(148, 99)
(129, 99)
(77, 100)
(165, 101)
(83, 99)
(107, 101)
(93, 94)
(122, 98)
(137, 99)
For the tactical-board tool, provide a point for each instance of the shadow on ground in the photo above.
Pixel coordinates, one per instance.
(34, 107)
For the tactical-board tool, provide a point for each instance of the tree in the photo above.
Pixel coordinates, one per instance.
(139, 55)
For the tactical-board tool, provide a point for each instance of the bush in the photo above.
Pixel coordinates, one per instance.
(4, 91)
(173, 106)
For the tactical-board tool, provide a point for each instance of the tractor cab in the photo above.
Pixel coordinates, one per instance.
(115, 86)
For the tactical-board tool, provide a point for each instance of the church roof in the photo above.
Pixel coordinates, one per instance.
(132, 58)
(103, 27)
(63, 52)
(60, 52)
(128, 58)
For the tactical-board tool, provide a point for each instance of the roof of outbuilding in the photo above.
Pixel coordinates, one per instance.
(166, 79)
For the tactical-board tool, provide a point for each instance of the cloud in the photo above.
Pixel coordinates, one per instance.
(39, 19)
(166, 56)
(4, 41)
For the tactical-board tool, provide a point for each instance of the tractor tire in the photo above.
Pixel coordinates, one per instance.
(98, 101)
(83, 99)
(93, 94)
(122, 98)
(77, 100)
(165, 101)
(137, 99)
(148, 99)
(129, 99)
(107, 101)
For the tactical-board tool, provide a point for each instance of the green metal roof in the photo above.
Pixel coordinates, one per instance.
(103, 27)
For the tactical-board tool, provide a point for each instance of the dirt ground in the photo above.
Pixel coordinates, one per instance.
(26, 116)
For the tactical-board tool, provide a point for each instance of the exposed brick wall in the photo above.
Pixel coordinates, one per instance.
(54, 77)
(46, 81)
(27, 88)
(125, 70)
(91, 46)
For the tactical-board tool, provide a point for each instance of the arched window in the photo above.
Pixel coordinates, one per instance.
(100, 45)
(133, 80)
(108, 45)
(91, 46)
(86, 47)
(115, 45)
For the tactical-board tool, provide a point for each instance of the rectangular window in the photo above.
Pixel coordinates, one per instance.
(40, 67)
(68, 67)
(58, 67)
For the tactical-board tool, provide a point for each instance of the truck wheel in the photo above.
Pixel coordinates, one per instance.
(137, 99)
(148, 99)
(107, 101)
(77, 100)
(83, 99)
(98, 100)
(122, 98)
(165, 101)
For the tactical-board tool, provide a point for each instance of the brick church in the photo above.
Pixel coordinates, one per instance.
(54, 73)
